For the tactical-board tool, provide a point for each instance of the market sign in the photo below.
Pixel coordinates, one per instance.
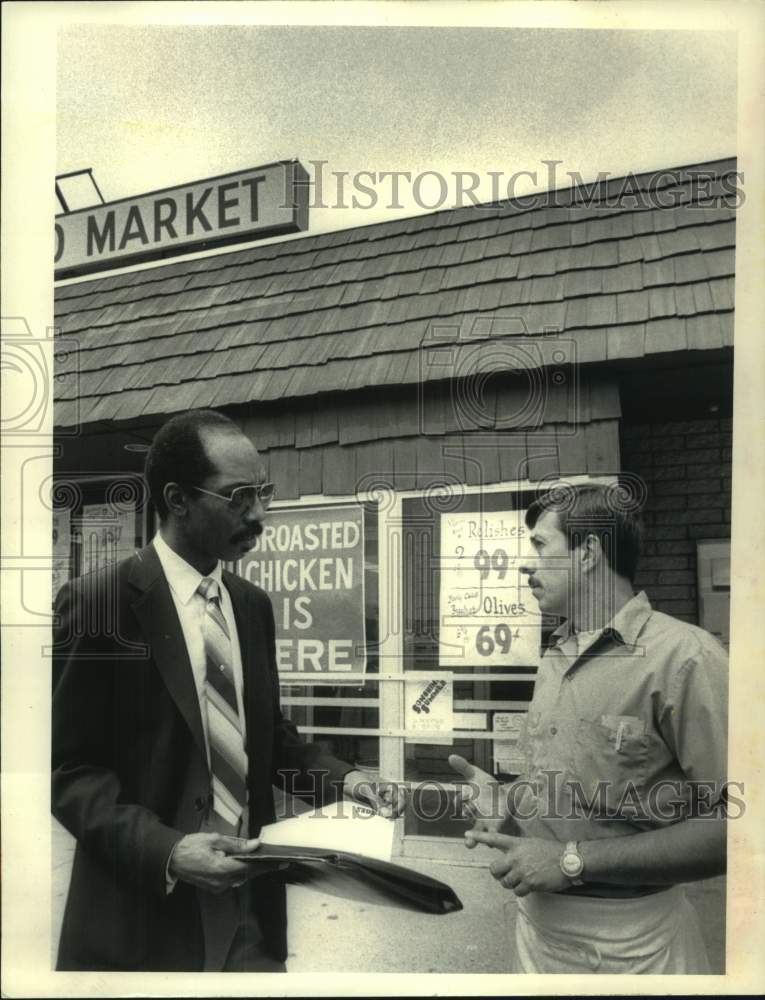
(310, 561)
(233, 208)
(488, 616)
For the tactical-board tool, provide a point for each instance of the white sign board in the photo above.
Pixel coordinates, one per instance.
(429, 709)
(488, 614)
(508, 727)
(310, 561)
(233, 208)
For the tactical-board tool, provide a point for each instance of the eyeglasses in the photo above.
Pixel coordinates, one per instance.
(245, 497)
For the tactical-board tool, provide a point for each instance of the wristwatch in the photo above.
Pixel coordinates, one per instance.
(572, 863)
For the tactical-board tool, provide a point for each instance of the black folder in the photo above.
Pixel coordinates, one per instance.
(354, 876)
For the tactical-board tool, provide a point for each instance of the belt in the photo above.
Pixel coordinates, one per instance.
(604, 890)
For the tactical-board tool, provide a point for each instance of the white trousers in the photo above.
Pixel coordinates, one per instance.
(656, 934)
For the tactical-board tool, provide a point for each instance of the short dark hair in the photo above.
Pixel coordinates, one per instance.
(608, 512)
(177, 453)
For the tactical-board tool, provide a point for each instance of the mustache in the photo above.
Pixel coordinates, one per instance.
(253, 532)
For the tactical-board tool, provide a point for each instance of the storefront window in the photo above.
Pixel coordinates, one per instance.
(471, 633)
(319, 565)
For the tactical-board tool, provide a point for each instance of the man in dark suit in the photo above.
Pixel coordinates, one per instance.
(167, 730)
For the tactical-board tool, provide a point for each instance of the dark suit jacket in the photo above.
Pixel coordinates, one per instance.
(130, 774)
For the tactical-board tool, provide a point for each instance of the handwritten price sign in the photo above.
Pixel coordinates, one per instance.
(488, 616)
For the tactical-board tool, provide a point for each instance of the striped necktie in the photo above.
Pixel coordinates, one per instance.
(228, 760)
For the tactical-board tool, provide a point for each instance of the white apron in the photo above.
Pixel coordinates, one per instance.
(655, 934)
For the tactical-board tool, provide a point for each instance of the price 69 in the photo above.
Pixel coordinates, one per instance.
(485, 562)
(499, 637)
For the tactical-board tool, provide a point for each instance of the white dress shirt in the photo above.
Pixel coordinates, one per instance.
(184, 581)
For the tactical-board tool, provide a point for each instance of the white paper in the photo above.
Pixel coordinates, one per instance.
(342, 826)
(488, 615)
(470, 720)
(507, 755)
(430, 709)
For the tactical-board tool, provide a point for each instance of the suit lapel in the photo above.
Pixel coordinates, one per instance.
(161, 628)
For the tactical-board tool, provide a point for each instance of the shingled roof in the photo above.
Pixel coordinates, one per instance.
(623, 275)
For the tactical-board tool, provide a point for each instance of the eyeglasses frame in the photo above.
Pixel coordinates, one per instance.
(254, 486)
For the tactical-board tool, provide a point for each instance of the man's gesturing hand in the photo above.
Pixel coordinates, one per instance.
(202, 859)
(528, 864)
(482, 798)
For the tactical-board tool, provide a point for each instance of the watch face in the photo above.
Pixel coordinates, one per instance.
(572, 864)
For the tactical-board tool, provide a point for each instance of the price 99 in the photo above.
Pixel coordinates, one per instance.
(485, 562)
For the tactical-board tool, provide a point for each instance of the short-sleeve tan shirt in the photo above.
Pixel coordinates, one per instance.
(619, 731)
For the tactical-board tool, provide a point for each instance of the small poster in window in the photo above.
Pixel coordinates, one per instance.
(488, 615)
(429, 709)
(507, 727)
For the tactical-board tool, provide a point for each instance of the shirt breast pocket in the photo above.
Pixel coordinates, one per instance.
(611, 756)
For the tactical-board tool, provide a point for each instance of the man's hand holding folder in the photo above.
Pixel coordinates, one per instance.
(345, 850)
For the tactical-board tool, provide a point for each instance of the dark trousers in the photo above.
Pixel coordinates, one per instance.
(233, 939)
(247, 953)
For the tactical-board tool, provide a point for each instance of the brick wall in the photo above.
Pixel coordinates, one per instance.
(686, 466)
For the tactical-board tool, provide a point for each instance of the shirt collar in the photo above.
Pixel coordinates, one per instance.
(183, 579)
(625, 626)
(628, 623)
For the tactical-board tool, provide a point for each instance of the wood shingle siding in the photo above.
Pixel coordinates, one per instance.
(353, 310)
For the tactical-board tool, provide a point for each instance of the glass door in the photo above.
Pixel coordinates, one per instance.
(471, 646)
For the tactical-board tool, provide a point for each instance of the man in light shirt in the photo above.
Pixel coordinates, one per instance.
(167, 729)
(622, 797)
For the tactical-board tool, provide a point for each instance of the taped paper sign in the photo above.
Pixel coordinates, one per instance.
(429, 709)
(508, 757)
(488, 616)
